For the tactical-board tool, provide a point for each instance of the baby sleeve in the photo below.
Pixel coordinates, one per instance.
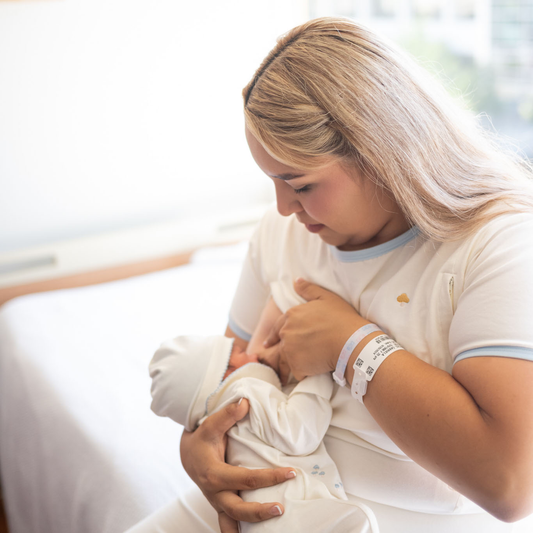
(294, 424)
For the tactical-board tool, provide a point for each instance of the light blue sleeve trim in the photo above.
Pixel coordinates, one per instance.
(515, 352)
(239, 331)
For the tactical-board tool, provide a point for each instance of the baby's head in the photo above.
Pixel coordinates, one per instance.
(239, 358)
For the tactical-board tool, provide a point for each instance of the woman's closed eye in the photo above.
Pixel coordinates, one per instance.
(305, 188)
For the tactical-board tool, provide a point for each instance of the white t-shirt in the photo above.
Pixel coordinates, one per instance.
(441, 301)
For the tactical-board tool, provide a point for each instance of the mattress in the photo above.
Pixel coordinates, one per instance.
(80, 450)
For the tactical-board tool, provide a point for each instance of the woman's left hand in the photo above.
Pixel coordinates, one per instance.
(308, 338)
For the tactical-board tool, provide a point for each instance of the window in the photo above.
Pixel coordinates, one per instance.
(385, 8)
(447, 39)
(426, 8)
(465, 9)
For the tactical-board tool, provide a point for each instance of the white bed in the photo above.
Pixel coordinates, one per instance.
(80, 450)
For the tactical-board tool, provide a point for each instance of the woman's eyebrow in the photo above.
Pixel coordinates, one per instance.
(287, 176)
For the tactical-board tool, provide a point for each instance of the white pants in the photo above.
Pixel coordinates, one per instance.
(193, 514)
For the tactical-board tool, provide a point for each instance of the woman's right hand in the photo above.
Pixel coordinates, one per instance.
(202, 455)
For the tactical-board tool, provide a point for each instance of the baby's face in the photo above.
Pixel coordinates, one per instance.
(239, 358)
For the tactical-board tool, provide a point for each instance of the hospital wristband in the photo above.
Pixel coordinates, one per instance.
(348, 349)
(369, 360)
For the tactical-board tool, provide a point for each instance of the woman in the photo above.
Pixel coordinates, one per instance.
(396, 210)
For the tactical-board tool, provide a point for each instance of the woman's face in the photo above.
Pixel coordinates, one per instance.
(345, 209)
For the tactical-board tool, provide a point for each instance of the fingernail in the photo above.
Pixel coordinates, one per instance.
(265, 343)
(298, 279)
(291, 474)
(275, 511)
(239, 402)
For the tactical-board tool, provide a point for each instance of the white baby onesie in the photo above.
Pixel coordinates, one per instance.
(281, 430)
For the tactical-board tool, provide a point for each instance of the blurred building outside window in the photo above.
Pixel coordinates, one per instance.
(426, 8)
(482, 50)
(385, 8)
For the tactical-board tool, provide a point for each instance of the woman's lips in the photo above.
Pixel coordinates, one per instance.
(314, 228)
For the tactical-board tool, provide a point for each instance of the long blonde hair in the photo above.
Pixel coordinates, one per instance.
(330, 88)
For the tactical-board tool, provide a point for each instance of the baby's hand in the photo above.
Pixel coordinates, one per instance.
(239, 358)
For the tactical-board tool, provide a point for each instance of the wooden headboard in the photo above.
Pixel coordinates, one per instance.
(96, 276)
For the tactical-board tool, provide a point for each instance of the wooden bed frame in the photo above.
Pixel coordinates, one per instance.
(96, 276)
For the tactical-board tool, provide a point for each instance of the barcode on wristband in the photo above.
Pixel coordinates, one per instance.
(386, 349)
(369, 361)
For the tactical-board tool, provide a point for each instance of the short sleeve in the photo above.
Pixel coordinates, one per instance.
(495, 309)
(252, 290)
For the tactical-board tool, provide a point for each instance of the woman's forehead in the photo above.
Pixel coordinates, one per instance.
(266, 161)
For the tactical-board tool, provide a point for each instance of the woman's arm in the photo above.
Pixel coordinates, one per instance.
(241, 343)
(269, 316)
(472, 429)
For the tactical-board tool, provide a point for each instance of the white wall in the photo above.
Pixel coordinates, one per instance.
(115, 113)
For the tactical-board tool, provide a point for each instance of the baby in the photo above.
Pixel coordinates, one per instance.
(193, 377)
(238, 358)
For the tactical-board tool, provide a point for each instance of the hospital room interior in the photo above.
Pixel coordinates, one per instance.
(127, 197)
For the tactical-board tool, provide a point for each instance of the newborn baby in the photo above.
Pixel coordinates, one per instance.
(193, 377)
(239, 358)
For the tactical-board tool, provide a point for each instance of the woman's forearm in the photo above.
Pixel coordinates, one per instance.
(479, 450)
(472, 429)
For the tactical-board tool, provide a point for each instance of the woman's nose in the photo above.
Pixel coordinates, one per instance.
(286, 200)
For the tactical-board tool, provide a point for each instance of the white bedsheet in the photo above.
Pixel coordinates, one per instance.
(80, 450)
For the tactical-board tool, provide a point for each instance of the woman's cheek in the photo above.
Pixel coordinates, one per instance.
(320, 208)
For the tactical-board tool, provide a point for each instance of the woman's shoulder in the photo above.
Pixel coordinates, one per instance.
(508, 230)
(500, 247)
(514, 221)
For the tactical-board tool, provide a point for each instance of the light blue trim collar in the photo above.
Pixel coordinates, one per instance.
(517, 352)
(375, 251)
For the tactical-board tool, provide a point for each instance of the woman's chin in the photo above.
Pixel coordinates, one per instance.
(344, 243)
(333, 239)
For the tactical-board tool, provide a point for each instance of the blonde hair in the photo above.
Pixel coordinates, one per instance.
(332, 89)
